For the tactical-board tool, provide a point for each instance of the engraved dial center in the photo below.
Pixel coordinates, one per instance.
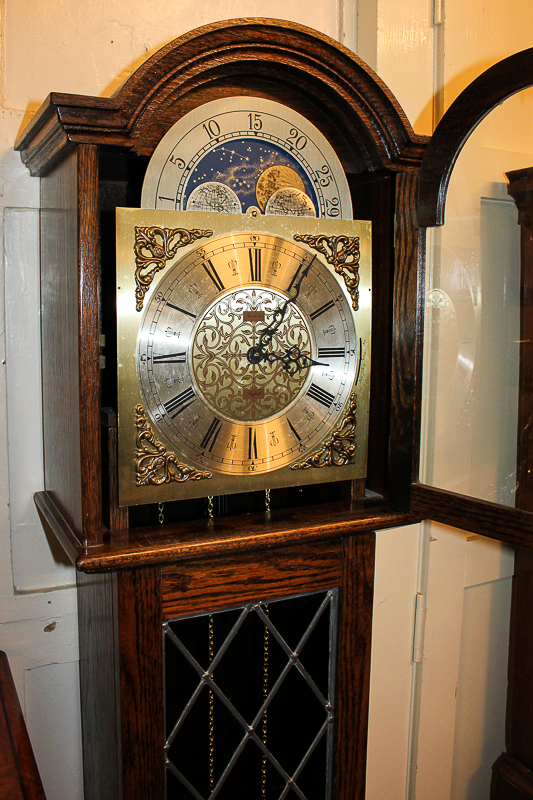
(239, 376)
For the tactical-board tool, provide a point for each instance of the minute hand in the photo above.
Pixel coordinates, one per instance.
(257, 353)
(267, 334)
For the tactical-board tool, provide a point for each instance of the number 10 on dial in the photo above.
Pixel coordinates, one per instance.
(243, 354)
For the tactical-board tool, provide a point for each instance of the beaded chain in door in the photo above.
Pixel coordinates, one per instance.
(249, 700)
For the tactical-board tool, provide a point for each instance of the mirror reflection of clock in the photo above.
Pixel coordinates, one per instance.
(238, 153)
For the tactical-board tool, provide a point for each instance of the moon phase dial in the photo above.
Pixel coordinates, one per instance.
(246, 354)
(237, 152)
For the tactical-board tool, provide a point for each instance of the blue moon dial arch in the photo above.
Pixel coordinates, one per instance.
(248, 148)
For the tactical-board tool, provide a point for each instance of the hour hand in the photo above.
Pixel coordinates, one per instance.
(258, 352)
(293, 360)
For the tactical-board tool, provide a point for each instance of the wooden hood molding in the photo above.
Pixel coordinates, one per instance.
(269, 58)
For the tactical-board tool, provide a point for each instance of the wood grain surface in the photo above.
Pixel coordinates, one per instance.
(56, 525)
(99, 686)
(19, 776)
(225, 535)
(141, 684)
(511, 780)
(89, 351)
(60, 340)
(407, 338)
(519, 723)
(373, 199)
(118, 515)
(220, 583)
(353, 666)
(512, 772)
(520, 187)
(511, 525)
(121, 667)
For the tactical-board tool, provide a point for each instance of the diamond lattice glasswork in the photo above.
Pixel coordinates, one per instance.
(249, 701)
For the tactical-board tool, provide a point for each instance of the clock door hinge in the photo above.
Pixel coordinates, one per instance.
(101, 343)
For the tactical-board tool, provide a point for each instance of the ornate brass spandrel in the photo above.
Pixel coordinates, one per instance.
(339, 449)
(153, 464)
(342, 253)
(153, 247)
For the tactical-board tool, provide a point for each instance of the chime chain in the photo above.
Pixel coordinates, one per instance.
(266, 635)
(211, 714)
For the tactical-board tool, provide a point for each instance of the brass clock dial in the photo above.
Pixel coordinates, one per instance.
(245, 356)
(258, 365)
(238, 152)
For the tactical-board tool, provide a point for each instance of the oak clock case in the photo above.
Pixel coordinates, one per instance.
(133, 575)
(243, 358)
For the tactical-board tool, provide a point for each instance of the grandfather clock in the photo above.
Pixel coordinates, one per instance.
(225, 598)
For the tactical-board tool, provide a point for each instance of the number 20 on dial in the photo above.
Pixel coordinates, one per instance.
(241, 152)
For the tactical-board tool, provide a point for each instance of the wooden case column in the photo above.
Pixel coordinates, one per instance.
(513, 771)
(70, 341)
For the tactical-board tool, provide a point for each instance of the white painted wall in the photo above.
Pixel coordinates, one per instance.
(455, 710)
(89, 49)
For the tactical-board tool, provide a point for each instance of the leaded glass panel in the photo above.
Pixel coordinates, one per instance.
(249, 701)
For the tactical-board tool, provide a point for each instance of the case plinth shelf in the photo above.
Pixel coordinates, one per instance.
(139, 547)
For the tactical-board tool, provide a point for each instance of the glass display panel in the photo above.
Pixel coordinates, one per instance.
(471, 380)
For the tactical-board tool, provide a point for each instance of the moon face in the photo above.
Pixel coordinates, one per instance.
(274, 178)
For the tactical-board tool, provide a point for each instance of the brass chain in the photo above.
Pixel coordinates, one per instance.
(210, 506)
(267, 499)
(266, 635)
(161, 507)
(211, 713)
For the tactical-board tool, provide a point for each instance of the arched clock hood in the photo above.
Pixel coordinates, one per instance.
(269, 58)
